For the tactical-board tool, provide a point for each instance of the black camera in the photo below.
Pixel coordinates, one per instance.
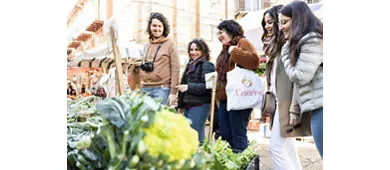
(147, 67)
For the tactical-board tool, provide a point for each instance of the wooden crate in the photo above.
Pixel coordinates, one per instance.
(95, 26)
(74, 44)
(254, 164)
(254, 125)
(84, 36)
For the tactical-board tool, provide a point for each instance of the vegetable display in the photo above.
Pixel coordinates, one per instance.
(136, 132)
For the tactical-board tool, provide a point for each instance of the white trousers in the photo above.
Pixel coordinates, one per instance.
(283, 150)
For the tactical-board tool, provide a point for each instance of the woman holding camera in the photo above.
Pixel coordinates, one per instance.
(160, 66)
(194, 98)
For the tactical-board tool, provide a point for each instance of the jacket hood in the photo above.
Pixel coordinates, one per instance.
(160, 40)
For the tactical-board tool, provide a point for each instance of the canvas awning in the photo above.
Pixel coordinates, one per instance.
(102, 57)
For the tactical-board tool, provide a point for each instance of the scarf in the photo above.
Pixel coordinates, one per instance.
(192, 64)
(191, 67)
(270, 62)
(223, 58)
(266, 41)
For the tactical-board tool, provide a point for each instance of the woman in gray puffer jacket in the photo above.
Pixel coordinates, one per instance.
(307, 73)
(302, 59)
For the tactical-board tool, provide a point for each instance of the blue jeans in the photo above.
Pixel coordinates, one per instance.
(233, 127)
(198, 115)
(159, 93)
(317, 128)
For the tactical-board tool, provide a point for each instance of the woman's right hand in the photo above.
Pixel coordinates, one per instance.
(182, 88)
(180, 111)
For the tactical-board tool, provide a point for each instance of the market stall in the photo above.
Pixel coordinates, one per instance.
(112, 57)
(137, 132)
(131, 130)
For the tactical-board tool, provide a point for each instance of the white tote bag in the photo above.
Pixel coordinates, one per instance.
(244, 89)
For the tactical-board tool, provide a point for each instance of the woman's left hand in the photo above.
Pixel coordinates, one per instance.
(294, 119)
(182, 88)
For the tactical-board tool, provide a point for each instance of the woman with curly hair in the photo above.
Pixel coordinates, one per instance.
(194, 98)
(237, 50)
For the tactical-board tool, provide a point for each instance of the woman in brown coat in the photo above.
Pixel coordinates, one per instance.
(286, 123)
(236, 50)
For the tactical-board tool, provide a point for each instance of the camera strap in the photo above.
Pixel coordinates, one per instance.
(155, 55)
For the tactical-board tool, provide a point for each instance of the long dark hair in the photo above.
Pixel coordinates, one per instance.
(278, 40)
(303, 22)
(202, 47)
(273, 12)
(161, 18)
(264, 36)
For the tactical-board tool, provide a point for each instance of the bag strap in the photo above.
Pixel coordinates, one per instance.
(268, 76)
(268, 80)
(155, 55)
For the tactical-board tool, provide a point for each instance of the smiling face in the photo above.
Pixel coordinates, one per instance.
(224, 37)
(269, 22)
(285, 25)
(157, 28)
(195, 51)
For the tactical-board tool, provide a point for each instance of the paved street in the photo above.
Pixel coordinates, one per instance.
(310, 159)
